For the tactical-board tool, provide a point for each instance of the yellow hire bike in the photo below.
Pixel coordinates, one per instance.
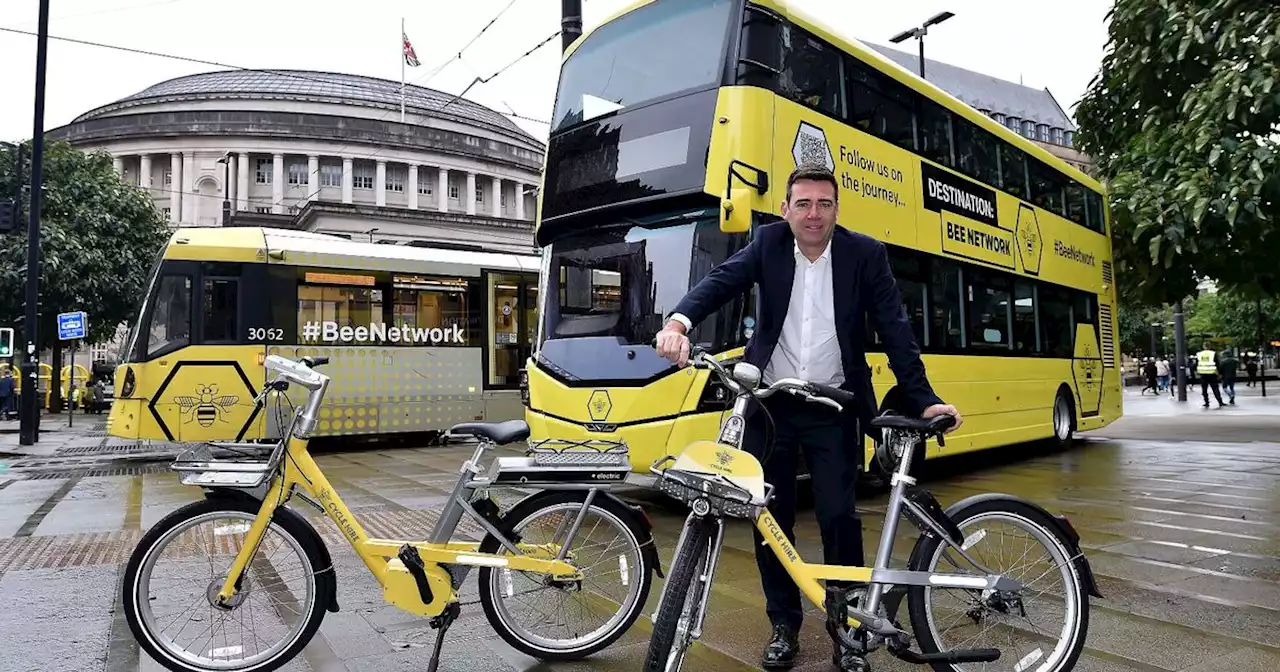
(270, 578)
(717, 480)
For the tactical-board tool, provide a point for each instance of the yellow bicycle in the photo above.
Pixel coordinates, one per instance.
(718, 480)
(271, 579)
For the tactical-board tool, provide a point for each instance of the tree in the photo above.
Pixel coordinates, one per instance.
(1181, 120)
(1233, 315)
(98, 240)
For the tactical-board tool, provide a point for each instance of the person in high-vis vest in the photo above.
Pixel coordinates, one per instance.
(1207, 372)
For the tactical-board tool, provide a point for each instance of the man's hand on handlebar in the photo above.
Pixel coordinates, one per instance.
(943, 409)
(673, 344)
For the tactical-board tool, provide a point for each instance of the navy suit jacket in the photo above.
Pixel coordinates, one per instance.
(864, 288)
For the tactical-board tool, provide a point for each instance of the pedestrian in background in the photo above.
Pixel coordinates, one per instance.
(1149, 370)
(1228, 365)
(1162, 374)
(1251, 367)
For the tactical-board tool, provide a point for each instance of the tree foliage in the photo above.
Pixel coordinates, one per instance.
(1183, 122)
(1234, 316)
(98, 240)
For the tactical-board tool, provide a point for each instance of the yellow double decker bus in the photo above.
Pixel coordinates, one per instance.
(676, 124)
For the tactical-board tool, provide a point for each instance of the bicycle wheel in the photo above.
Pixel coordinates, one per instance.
(615, 554)
(282, 598)
(681, 597)
(966, 615)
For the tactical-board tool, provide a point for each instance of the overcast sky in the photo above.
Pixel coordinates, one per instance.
(1045, 44)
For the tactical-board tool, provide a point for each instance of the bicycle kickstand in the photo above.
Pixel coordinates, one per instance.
(442, 622)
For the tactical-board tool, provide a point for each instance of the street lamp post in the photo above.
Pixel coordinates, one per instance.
(919, 34)
(29, 415)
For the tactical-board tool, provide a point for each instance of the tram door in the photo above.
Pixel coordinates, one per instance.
(513, 301)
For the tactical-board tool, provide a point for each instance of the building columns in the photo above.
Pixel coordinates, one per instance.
(313, 177)
(442, 199)
(412, 186)
(242, 182)
(380, 184)
(519, 200)
(188, 188)
(348, 178)
(175, 187)
(471, 193)
(277, 183)
(117, 163)
(144, 172)
(497, 196)
(231, 189)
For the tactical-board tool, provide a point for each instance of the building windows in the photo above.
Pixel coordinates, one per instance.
(453, 192)
(330, 175)
(262, 210)
(362, 177)
(298, 174)
(479, 194)
(264, 170)
(166, 212)
(1056, 137)
(168, 178)
(395, 179)
(424, 184)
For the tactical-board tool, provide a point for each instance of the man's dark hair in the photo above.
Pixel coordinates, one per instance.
(811, 171)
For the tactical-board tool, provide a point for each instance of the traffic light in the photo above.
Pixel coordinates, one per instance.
(8, 216)
(6, 342)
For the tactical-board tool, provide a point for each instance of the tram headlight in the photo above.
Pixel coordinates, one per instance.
(524, 386)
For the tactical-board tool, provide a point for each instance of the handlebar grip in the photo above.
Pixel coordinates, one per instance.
(835, 394)
(313, 362)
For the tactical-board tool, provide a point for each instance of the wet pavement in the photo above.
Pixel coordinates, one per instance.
(1176, 506)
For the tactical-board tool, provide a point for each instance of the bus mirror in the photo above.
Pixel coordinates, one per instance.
(735, 211)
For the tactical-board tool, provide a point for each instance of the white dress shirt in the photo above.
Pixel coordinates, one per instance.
(808, 348)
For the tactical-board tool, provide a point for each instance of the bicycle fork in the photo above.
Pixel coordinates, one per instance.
(707, 576)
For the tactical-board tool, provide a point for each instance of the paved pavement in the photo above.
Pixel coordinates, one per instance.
(1177, 508)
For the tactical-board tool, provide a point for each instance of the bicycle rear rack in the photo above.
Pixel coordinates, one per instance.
(562, 461)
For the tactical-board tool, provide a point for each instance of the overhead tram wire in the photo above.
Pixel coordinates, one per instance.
(293, 75)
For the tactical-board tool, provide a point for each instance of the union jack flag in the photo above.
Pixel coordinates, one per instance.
(410, 57)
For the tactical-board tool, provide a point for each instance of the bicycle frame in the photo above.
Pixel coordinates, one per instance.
(585, 470)
(706, 471)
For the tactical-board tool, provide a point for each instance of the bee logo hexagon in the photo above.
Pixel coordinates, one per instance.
(1030, 242)
(599, 405)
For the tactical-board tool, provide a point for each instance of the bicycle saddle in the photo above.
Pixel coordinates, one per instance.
(497, 432)
(936, 424)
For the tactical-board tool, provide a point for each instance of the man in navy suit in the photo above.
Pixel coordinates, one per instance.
(819, 283)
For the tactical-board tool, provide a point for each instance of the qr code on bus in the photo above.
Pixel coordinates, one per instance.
(811, 147)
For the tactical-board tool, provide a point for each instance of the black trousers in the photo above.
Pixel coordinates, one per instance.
(817, 432)
(1208, 380)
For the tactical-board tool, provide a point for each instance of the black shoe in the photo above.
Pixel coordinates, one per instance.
(850, 661)
(780, 652)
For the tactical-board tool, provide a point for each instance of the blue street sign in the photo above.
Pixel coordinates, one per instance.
(72, 325)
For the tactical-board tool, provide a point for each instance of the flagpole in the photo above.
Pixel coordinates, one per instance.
(402, 61)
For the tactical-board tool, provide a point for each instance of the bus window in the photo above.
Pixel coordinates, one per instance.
(811, 73)
(1013, 171)
(990, 318)
(1058, 334)
(170, 326)
(1026, 332)
(1075, 203)
(1046, 187)
(1096, 218)
(879, 105)
(948, 316)
(935, 132)
(976, 152)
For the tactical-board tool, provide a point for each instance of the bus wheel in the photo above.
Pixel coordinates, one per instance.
(1064, 419)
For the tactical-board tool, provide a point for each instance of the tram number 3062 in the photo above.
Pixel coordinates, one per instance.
(266, 334)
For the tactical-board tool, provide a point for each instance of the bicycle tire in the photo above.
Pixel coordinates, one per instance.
(284, 523)
(675, 593)
(927, 546)
(529, 508)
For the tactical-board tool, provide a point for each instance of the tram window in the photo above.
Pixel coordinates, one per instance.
(946, 331)
(1026, 336)
(880, 105)
(220, 305)
(990, 318)
(811, 72)
(171, 320)
(434, 304)
(344, 306)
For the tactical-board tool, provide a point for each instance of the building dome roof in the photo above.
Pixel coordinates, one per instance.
(313, 86)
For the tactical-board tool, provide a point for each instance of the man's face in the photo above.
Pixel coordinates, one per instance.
(811, 211)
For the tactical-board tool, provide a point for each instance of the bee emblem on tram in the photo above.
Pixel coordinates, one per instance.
(206, 407)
